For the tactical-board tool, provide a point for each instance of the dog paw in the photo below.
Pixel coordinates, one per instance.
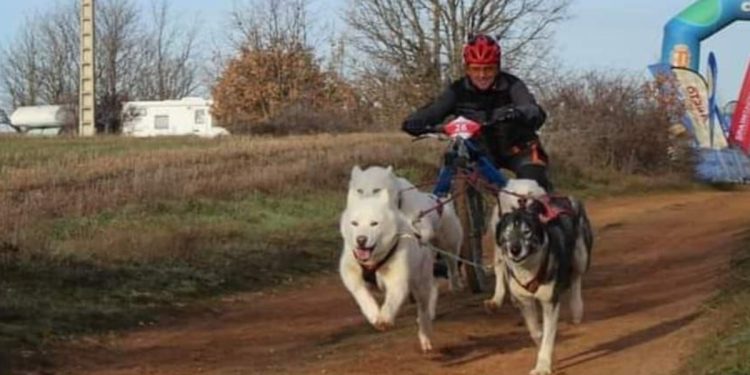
(382, 325)
(491, 306)
(371, 317)
(541, 371)
(426, 347)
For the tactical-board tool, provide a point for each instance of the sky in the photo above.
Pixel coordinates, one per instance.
(627, 36)
(618, 36)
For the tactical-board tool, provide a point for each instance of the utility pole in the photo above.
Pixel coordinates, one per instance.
(87, 100)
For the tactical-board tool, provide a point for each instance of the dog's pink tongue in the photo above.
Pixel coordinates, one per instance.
(363, 254)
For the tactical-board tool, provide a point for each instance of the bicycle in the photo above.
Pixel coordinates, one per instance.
(465, 168)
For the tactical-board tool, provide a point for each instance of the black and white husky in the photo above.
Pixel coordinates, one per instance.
(542, 249)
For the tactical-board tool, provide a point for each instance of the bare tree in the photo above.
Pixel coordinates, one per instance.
(255, 25)
(118, 63)
(41, 66)
(58, 60)
(151, 60)
(20, 69)
(423, 38)
(169, 58)
(278, 30)
(137, 59)
(274, 82)
(262, 24)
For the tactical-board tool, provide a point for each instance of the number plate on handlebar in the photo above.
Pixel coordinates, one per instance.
(462, 127)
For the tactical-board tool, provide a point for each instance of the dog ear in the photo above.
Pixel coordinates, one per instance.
(389, 170)
(356, 171)
(504, 220)
(499, 232)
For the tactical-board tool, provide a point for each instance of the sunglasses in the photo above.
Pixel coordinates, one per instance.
(481, 69)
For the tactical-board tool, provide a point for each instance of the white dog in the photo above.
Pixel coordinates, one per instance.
(542, 249)
(438, 225)
(375, 247)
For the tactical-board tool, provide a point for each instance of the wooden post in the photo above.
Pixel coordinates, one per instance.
(87, 100)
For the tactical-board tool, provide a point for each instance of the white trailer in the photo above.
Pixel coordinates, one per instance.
(42, 119)
(189, 116)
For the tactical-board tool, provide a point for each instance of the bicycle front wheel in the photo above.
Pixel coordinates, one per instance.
(470, 209)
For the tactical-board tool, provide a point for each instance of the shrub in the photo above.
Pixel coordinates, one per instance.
(261, 87)
(610, 122)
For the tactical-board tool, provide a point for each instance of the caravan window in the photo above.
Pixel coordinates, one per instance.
(200, 116)
(161, 122)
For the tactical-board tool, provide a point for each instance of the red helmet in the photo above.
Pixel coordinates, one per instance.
(482, 49)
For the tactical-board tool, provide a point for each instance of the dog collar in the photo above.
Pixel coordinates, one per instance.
(541, 274)
(368, 272)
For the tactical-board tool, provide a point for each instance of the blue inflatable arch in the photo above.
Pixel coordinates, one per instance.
(683, 34)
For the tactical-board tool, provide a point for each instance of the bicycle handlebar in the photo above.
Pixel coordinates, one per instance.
(433, 135)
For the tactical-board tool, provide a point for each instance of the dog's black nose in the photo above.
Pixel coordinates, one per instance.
(361, 241)
(515, 249)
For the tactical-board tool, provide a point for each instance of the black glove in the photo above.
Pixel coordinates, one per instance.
(415, 128)
(507, 114)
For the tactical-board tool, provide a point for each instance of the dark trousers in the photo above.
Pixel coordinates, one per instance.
(527, 161)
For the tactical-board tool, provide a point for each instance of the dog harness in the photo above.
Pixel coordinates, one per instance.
(368, 272)
(539, 279)
(541, 276)
(554, 206)
(439, 204)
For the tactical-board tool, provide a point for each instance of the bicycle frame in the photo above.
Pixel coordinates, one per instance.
(465, 154)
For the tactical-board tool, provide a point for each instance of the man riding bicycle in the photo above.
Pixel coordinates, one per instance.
(491, 96)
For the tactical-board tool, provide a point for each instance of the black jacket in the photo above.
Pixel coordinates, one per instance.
(461, 98)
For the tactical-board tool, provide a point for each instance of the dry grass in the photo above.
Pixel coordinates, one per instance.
(48, 179)
(46, 182)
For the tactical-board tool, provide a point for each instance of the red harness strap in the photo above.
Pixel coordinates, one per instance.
(554, 207)
(541, 275)
(368, 272)
(438, 207)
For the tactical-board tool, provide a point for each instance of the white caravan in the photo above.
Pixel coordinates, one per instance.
(189, 116)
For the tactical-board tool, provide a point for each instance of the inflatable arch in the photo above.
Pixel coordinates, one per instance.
(680, 60)
(683, 34)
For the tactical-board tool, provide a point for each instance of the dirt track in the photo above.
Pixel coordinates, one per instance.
(656, 259)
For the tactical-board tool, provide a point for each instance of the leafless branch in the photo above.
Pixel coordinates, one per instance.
(417, 36)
